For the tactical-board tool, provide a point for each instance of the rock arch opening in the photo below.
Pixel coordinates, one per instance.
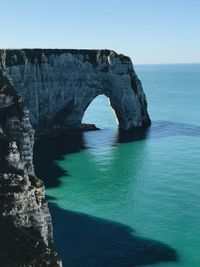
(100, 113)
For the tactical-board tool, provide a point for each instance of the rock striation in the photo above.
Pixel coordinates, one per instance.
(25, 223)
(57, 86)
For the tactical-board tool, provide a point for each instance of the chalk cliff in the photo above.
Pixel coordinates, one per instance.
(49, 90)
(57, 85)
(25, 223)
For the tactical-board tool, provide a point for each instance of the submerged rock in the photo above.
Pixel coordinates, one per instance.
(88, 127)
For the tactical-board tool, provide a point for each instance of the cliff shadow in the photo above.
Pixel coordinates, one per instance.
(137, 134)
(49, 149)
(159, 129)
(87, 241)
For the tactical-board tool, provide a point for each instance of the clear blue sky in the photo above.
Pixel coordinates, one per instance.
(150, 31)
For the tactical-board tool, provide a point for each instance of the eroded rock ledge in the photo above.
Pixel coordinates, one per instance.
(57, 85)
(25, 224)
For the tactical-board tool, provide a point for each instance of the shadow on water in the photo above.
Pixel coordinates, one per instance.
(159, 129)
(48, 150)
(131, 136)
(86, 241)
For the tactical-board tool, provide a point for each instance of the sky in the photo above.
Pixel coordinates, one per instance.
(149, 31)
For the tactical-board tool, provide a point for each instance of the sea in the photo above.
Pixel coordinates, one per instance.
(130, 199)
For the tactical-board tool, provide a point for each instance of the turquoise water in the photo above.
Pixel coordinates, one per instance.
(120, 200)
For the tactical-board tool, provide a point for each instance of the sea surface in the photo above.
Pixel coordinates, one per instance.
(124, 200)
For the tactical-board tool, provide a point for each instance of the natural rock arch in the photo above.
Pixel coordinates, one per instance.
(58, 85)
(94, 114)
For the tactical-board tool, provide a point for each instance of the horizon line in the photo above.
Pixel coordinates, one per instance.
(168, 63)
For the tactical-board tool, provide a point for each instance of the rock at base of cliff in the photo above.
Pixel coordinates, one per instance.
(24, 247)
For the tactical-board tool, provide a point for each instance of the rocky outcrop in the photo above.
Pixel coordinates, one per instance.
(25, 222)
(57, 85)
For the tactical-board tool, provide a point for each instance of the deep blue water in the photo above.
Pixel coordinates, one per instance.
(130, 200)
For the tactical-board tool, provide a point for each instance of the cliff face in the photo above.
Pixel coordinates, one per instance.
(52, 88)
(25, 222)
(57, 85)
